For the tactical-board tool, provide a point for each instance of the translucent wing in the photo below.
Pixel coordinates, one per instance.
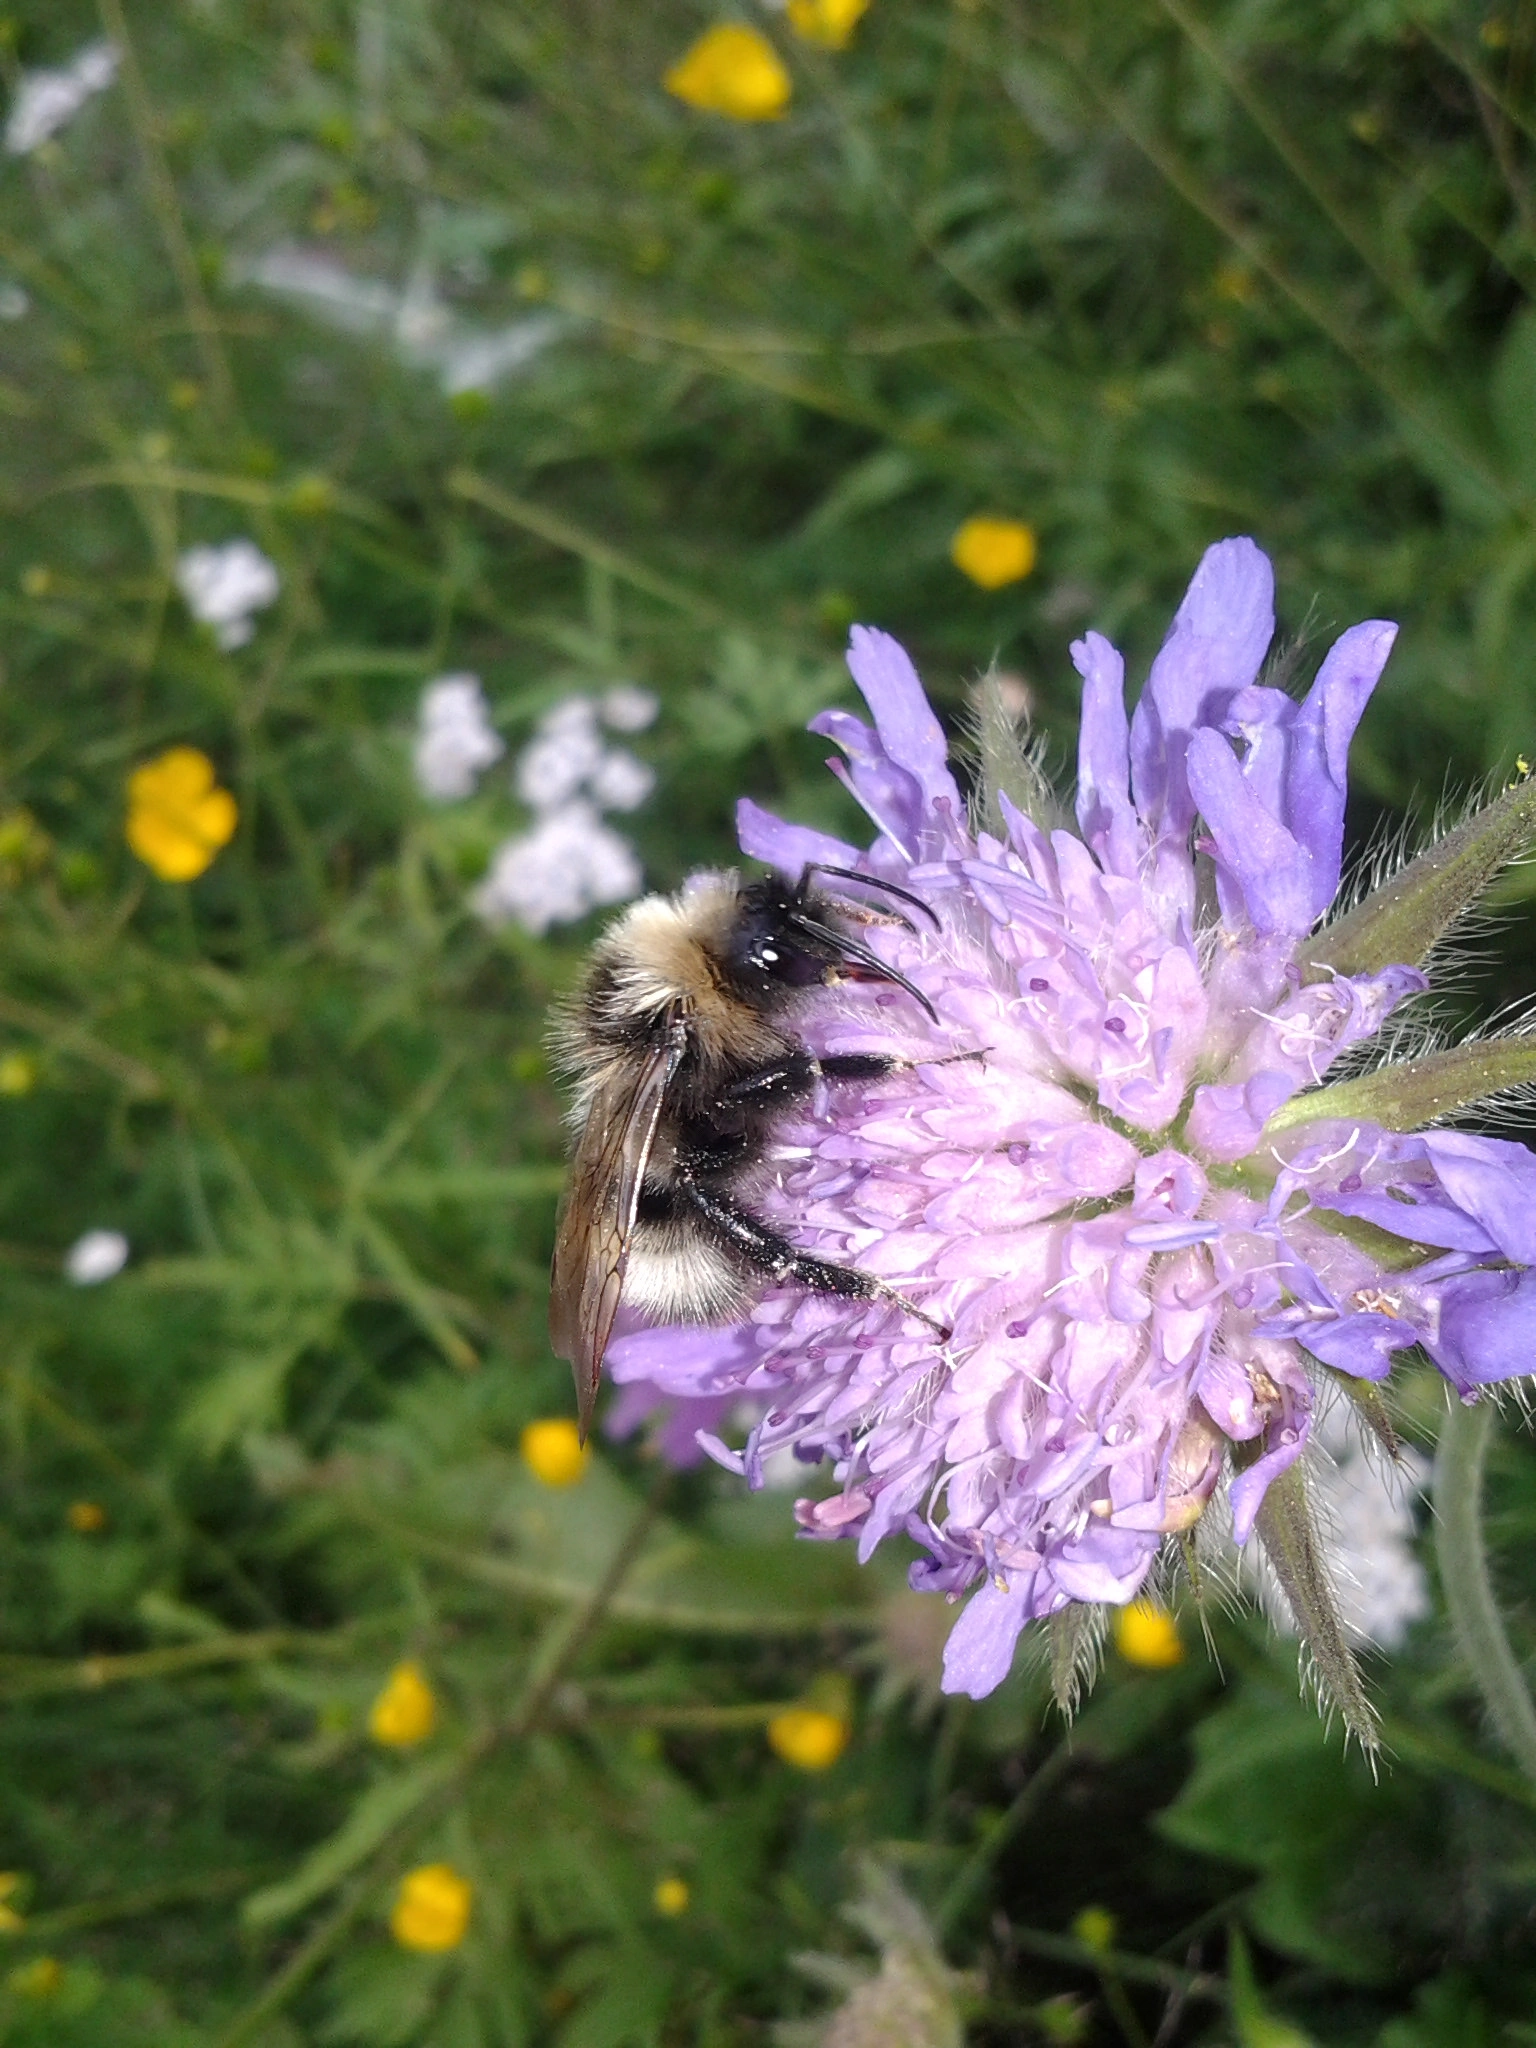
(592, 1245)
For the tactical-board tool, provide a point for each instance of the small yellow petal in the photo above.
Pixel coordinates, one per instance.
(86, 1516)
(432, 1907)
(732, 70)
(405, 1712)
(828, 22)
(993, 552)
(671, 1897)
(553, 1451)
(178, 776)
(1148, 1635)
(808, 1738)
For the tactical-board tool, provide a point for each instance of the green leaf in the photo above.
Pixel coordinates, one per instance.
(1252, 2021)
(1404, 918)
(1343, 1861)
(1407, 1094)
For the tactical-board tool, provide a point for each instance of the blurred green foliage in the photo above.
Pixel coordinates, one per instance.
(1140, 276)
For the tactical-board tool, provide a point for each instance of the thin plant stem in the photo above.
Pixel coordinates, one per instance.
(1468, 1589)
(973, 1873)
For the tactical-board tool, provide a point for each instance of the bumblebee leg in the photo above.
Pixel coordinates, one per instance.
(793, 1077)
(774, 1255)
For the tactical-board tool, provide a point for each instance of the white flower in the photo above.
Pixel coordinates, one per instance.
(628, 708)
(224, 585)
(570, 863)
(14, 303)
(45, 100)
(620, 782)
(421, 325)
(454, 738)
(96, 1257)
(565, 752)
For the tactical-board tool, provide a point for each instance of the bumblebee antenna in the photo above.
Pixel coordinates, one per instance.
(821, 867)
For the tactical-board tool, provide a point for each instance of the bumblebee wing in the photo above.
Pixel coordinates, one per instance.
(592, 1244)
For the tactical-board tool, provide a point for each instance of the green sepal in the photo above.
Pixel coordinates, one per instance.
(1370, 1404)
(1407, 1094)
(1403, 919)
(1076, 1637)
(1286, 1530)
(1011, 763)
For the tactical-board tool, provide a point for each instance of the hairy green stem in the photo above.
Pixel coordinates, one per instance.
(1468, 1589)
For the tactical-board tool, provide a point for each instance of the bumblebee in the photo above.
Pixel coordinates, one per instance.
(681, 1047)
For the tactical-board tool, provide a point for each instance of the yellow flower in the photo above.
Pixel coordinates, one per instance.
(671, 1897)
(405, 1712)
(808, 1738)
(734, 71)
(431, 1912)
(38, 1979)
(553, 1452)
(86, 1517)
(993, 552)
(178, 817)
(1148, 1635)
(11, 1920)
(828, 22)
(18, 1073)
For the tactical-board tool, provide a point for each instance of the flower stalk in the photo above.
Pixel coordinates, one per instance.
(1465, 1581)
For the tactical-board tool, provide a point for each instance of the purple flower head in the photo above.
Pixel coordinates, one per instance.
(1145, 1259)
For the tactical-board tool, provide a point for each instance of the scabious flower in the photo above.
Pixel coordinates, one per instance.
(454, 738)
(1150, 1218)
(224, 586)
(46, 100)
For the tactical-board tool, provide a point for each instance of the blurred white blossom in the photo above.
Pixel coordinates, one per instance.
(224, 585)
(422, 326)
(96, 1257)
(620, 782)
(568, 756)
(570, 863)
(14, 303)
(45, 100)
(454, 738)
(628, 708)
(568, 775)
(562, 756)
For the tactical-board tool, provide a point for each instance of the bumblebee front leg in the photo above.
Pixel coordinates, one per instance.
(792, 1078)
(775, 1256)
